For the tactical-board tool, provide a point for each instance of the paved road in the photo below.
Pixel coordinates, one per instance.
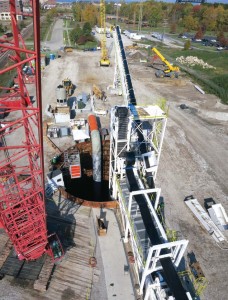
(56, 41)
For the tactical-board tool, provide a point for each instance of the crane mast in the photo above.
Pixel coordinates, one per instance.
(22, 197)
(104, 61)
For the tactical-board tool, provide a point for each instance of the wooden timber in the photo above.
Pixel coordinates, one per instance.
(73, 276)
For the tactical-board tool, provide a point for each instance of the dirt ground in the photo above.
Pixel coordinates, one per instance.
(193, 162)
(194, 158)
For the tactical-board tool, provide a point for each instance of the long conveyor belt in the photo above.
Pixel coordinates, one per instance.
(170, 273)
(126, 70)
(169, 270)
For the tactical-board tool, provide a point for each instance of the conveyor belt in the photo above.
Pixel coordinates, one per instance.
(170, 274)
(127, 73)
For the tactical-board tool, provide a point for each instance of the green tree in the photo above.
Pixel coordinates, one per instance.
(76, 33)
(187, 45)
(156, 15)
(110, 8)
(51, 14)
(87, 28)
(77, 12)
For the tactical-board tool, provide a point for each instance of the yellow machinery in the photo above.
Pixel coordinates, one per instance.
(99, 93)
(104, 61)
(69, 87)
(170, 70)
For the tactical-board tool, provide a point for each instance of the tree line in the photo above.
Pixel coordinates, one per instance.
(208, 17)
(176, 17)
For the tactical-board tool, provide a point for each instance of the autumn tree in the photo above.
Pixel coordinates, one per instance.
(173, 28)
(90, 14)
(222, 40)
(209, 18)
(199, 34)
(189, 23)
(221, 16)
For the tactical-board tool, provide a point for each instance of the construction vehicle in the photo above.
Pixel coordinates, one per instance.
(169, 71)
(104, 61)
(68, 49)
(99, 93)
(67, 84)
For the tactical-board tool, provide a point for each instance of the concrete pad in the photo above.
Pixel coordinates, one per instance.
(118, 280)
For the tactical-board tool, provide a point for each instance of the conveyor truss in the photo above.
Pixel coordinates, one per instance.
(136, 139)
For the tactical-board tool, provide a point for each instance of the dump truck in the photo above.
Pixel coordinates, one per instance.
(169, 70)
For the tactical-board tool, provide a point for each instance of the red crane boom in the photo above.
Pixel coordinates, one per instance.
(22, 202)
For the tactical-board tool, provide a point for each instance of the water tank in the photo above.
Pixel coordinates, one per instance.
(61, 96)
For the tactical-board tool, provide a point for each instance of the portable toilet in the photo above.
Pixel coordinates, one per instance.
(52, 56)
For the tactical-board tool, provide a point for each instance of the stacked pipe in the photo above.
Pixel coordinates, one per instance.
(96, 156)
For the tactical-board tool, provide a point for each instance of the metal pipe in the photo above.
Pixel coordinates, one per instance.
(96, 155)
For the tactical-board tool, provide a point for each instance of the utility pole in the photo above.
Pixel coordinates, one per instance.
(165, 23)
(140, 17)
(117, 11)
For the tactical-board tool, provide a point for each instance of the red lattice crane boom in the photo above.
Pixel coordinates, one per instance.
(22, 205)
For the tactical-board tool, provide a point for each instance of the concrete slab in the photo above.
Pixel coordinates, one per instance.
(118, 280)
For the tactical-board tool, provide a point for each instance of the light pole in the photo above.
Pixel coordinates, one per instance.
(165, 23)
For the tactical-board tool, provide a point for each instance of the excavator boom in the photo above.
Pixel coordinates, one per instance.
(170, 68)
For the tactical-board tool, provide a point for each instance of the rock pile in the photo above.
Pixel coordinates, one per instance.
(193, 61)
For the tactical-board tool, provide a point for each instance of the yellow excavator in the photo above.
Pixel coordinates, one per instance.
(69, 87)
(169, 71)
(104, 61)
